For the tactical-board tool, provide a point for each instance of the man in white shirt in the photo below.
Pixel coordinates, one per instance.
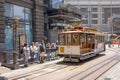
(26, 52)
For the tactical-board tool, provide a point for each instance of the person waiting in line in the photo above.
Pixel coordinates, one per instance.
(26, 52)
(48, 51)
(53, 48)
(43, 43)
(42, 53)
(32, 52)
(56, 45)
(37, 52)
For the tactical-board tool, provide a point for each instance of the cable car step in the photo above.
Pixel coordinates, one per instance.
(83, 57)
(71, 60)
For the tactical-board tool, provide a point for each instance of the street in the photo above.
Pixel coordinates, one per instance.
(89, 69)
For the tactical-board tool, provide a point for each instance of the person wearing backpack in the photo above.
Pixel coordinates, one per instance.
(21, 52)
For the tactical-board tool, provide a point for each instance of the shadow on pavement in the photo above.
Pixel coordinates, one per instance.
(81, 61)
(3, 78)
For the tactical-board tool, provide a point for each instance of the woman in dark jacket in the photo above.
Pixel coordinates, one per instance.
(42, 53)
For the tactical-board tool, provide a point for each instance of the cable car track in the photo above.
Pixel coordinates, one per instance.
(78, 75)
(41, 70)
(56, 67)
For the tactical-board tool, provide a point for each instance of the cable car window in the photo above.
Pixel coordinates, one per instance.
(68, 39)
(62, 39)
(89, 38)
(75, 38)
(83, 38)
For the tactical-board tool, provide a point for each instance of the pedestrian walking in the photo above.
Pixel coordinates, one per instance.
(26, 52)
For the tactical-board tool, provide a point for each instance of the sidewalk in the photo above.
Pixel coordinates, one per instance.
(31, 68)
(4, 69)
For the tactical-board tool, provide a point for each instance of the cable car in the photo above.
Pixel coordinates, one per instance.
(80, 43)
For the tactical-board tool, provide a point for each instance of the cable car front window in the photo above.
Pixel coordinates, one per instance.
(62, 39)
(68, 39)
(75, 39)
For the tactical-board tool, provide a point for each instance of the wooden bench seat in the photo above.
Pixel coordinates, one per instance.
(85, 50)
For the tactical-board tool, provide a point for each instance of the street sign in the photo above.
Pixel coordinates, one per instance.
(22, 39)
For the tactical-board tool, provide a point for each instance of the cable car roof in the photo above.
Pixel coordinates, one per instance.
(82, 29)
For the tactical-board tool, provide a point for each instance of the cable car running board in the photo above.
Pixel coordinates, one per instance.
(87, 55)
(71, 60)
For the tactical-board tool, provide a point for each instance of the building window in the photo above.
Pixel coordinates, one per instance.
(17, 11)
(94, 9)
(103, 21)
(56, 3)
(84, 21)
(28, 15)
(94, 15)
(8, 10)
(94, 22)
(84, 9)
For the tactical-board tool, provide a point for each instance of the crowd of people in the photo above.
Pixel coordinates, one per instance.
(38, 52)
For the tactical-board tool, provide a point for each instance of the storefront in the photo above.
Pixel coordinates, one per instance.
(24, 25)
(31, 21)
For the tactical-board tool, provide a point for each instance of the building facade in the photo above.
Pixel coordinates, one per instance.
(60, 17)
(100, 14)
(30, 23)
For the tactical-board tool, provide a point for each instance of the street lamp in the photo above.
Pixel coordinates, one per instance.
(15, 33)
(15, 39)
(111, 23)
(89, 14)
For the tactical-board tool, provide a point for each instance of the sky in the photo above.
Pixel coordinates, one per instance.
(55, 1)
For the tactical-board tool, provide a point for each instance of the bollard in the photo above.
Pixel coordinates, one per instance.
(13, 65)
(4, 57)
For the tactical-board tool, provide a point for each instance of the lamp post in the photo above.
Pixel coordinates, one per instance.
(89, 14)
(15, 39)
(15, 34)
(111, 23)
